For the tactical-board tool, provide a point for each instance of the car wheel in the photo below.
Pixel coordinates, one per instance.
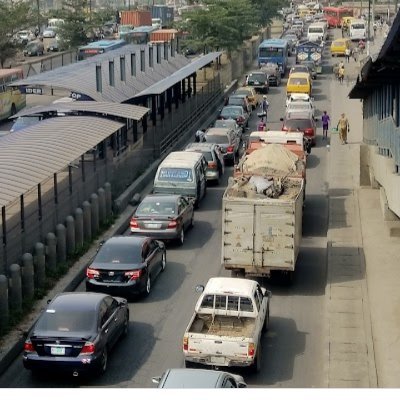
(125, 331)
(103, 361)
(148, 285)
(163, 261)
(181, 238)
(256, 367)
(13, 109)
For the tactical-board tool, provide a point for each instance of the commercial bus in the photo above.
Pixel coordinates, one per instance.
(358, 30)
(334, 15)
(11, 98)
(274, 51)
(99, 47)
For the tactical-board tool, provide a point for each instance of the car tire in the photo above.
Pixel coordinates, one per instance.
(163, 261)
(190, 364)
(256, 366)
(103, 361)
(181, 238)
(147, 288)
(13, 109)
(125, 331)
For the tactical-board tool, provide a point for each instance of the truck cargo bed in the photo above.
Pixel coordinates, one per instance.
(221, 325)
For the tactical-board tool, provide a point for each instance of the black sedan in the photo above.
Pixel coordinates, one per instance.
(164, 217)
(75, 333)
(126, 265)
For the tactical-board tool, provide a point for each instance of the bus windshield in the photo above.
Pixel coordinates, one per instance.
(270, 52)
(358, 26)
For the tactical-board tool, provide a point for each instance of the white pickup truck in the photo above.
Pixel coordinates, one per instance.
(227, 325)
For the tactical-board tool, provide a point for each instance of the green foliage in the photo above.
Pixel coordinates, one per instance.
(14, 16)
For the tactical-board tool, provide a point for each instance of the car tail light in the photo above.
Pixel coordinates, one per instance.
(185, 343)
(135, 274)
(28, 347)
(229, 149)
(284, 128)
(134, 223)
(239, 119)
(173, 224)
(309, 131)
(251, 350)
(92, 273)
(88, 348)
(212, 165)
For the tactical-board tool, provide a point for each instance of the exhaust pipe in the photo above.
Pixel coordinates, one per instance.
(75, 374)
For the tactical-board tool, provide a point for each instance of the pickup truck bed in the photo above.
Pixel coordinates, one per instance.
(221, 325)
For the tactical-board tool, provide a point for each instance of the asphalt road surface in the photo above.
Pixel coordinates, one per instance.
(293, 352)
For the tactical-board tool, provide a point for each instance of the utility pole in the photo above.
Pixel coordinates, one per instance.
(369, 25)
(38, 14)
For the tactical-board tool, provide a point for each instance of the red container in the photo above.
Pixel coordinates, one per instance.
(163, 35)
(136, 18)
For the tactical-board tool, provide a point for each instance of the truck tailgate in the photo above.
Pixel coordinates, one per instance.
(259, 234)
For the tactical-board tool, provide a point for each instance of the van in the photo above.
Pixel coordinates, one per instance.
(316, 32)
(299, 82)
(184, 173)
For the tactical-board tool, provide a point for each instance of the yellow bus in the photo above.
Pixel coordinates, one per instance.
(11, 98)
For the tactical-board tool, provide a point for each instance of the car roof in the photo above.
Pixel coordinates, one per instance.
(217, 131)
(128, 240)
(84, 300)
(184, 156)
(162, 196)
(300, 96)
(229, 121)
(200, 146)
(299, 75)
(296, 114)
(191, 378)
(222, 285)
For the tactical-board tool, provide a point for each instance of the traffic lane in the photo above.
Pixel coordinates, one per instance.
(158, 322)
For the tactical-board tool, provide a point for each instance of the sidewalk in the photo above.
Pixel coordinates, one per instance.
(363, 322)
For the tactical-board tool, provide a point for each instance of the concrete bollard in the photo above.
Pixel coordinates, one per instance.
(27, 277)
(78, 227)
(70, 224)
(107, 189)
(102, 205)
(4, 314)
(51, 251)
(87, 221)
(61, 233)
(40, 265)
(15, 288)
(94, 201)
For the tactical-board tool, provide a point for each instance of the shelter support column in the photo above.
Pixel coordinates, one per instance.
(169, 99)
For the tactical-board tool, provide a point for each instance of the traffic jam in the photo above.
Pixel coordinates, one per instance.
(256, 166)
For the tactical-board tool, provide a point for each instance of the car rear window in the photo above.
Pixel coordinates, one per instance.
(221, 123)
(67, 320)
(236, 101)
(223, 139)
(175, 175)
(119, 253)
(231, 303)
(294, 124)
(297, 81)
(226, 112)
(157, 207)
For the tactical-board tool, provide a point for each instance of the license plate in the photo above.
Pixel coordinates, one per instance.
(153, 226)
(217, 360)
(57, 351)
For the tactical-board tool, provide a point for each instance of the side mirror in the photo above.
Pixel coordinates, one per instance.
(156, 379)
(48, 301)
(268, 293)
(281, 119)
(242, 385)
(199, 288)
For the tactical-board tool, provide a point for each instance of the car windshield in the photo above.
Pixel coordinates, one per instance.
(169, 174)
(218, 139)
(299, 106)
(68, 319)
(119, 253)
(243, 92)
(301, 124)
(229, 111)
(257, 77)
(156, 207)
(221, 123)
(237, 101)
(297, 81)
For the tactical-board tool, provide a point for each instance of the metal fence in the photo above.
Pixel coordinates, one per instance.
(28, 222)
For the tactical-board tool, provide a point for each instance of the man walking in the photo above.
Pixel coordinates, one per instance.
(347, 54)
(264, 107)
(325, 124)
(344, 128)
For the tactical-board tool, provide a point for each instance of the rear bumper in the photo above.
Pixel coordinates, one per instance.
(223, 361)
(117, 289)
(212, 175)
(166, 234)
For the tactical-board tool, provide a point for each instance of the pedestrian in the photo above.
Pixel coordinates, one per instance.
(343, 127)
(325, 125)
(199, 135)
(347, 54)
(264, 107)
(355, 54)
(341, 73)
(261, 125)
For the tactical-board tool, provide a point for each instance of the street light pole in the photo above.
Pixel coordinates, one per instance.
(369, 26)
(38, 15)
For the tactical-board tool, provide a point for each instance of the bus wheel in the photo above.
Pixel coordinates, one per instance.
(13, 110)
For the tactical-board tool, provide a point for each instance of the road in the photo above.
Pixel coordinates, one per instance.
(293, 349)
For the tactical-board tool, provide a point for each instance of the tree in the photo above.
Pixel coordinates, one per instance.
(266, 10)
(13, 17)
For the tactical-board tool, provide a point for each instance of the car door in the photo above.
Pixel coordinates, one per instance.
(106, 325)
(183, 211)
(201, 172)
(219, 160)
(113, 319)
(153, 257)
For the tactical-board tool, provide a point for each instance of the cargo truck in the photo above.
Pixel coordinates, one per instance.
(262, 225)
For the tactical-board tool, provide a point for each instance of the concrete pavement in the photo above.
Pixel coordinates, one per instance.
(363, 322)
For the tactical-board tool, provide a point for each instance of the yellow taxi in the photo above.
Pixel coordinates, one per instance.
(339, 46)
(299, 82)
(251, 95)
(346, 21)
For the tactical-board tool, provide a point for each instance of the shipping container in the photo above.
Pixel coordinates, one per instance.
(164, 35)
(165, 13)
(136, 18)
